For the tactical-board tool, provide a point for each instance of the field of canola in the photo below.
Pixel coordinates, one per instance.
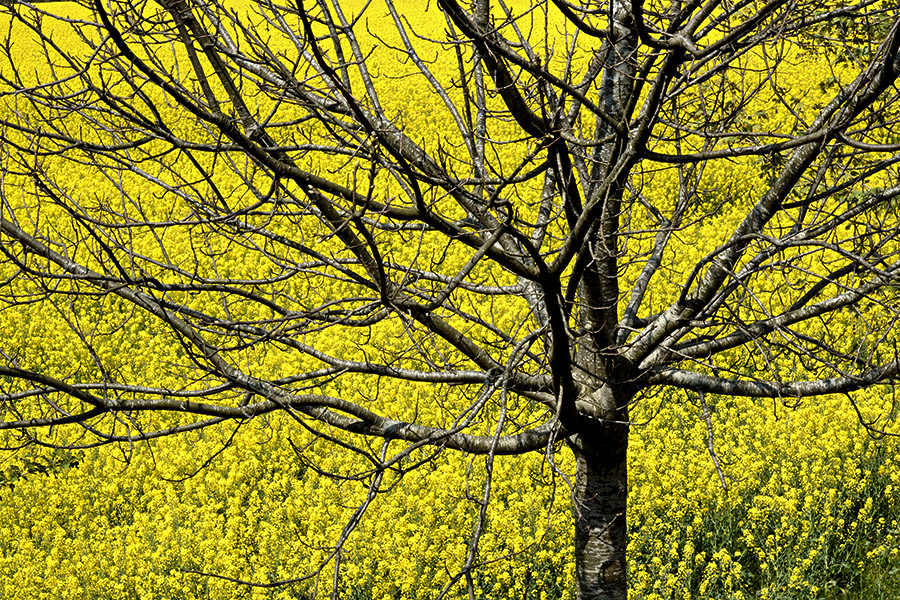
(811, 512)
(812, 508)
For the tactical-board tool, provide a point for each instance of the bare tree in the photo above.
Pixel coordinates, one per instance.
(263, 130)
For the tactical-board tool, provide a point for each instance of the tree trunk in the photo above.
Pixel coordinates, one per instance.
(601, 494)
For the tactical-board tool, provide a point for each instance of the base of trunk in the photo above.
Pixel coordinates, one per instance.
(601, 494)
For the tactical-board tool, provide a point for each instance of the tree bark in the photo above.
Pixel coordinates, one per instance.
(600, 504)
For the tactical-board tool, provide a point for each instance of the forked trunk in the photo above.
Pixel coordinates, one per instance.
(601, 494)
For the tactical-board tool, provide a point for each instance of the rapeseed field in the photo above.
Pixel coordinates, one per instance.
(811, 511)
(807, 504)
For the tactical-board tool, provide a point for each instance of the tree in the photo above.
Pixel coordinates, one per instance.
(526, 227)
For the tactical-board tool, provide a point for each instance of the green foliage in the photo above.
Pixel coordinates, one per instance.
(52, 462)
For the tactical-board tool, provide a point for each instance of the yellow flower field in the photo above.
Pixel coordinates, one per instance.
(812, 505)
(807, 504)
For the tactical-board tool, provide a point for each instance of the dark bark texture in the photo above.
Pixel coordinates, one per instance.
(600, 499)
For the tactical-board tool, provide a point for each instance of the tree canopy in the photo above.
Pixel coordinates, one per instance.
(491, 228)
